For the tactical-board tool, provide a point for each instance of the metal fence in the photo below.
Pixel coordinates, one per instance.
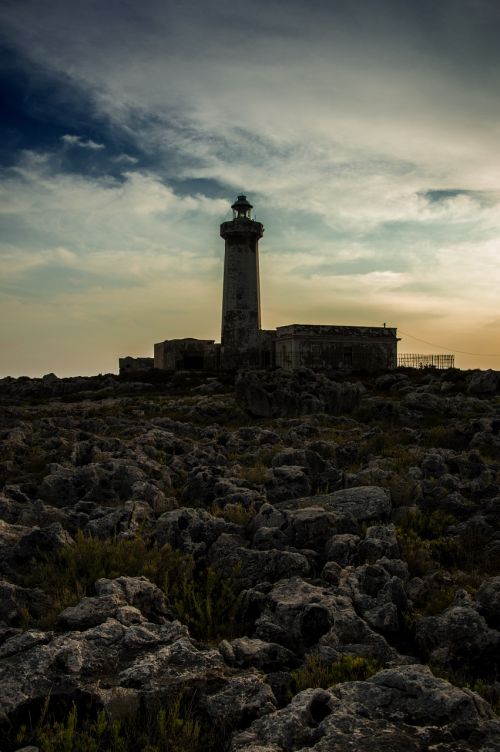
(413, 360)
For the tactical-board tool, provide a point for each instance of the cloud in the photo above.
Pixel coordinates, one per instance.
(72, 140)
(63, 230)
(126, 159)
(365, 135)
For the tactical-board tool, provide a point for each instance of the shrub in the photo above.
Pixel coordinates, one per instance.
(416, 552)
(403, 490)
(436, 601)
(445, 437)
(428, 526)
(425, 546)
(207, 603)
(259, 473)
(489, 692)
(204, 601)
(236, 513)
(173, 728)
(317, 672)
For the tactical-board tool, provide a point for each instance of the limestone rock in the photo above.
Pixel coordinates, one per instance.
(488, 596)
(341, 549)
(191, 530)
(401, 708)
(458, 638)
(288, 482)
(42, 542)
(138, 592)
(10, 535)
(89, 612)
(126, 521)
(242, 700)
(296, 613)
(148, 657)
(267, 656)
(111, 481)
(484, 382)
(17, 602)
(380, 541)
(250, 566)
(364, 503)
(266, 394)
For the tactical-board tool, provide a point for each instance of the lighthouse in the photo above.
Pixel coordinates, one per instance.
(241, 295)
(244, 344)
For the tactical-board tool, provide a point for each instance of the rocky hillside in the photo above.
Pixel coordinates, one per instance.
(281, 564)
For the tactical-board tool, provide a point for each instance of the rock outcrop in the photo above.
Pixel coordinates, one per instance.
(295, 562)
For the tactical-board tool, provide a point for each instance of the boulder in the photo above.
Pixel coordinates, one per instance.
(288, 482)
(249, 566)
(17, 604)
(108, 481)
(321, 472)
(246, 652)
(191, 530)
(311, 527)
(10, 535)
(352, 635)
(240, 701)
(378, 596)
(140, 593)
(296, 614)
(156, 660)
(89, 612)
(459, 639)
(289, 394)
(380, 541)
(483, 383)
(399, 708)
(364, 503)
(41, 543)
(488, 596)
(126, 521)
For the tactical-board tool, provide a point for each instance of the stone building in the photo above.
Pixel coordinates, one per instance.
(187, 354)
(358, 348)
(245, 345)
(132, 365)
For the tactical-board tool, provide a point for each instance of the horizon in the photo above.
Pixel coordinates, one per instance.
(365, 135)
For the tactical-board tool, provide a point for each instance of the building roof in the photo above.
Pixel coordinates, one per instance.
(333, 330)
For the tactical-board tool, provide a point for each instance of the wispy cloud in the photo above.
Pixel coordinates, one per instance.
(72, 140)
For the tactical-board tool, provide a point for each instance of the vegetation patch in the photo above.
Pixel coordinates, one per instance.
(258, 473)
(317, 672)
(171, 728)
(236, 513)
(202, 599)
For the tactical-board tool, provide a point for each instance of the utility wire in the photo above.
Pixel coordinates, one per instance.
(460, 352)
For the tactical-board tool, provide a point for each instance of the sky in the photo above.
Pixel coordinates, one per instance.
(366, 134)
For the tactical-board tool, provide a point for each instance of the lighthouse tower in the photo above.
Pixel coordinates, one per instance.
(241, 294)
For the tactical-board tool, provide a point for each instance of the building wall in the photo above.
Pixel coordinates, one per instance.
(186, 354)
(313, 346)
(336, 347)
(267, 349)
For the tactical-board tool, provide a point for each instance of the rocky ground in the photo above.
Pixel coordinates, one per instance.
(280, 564)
